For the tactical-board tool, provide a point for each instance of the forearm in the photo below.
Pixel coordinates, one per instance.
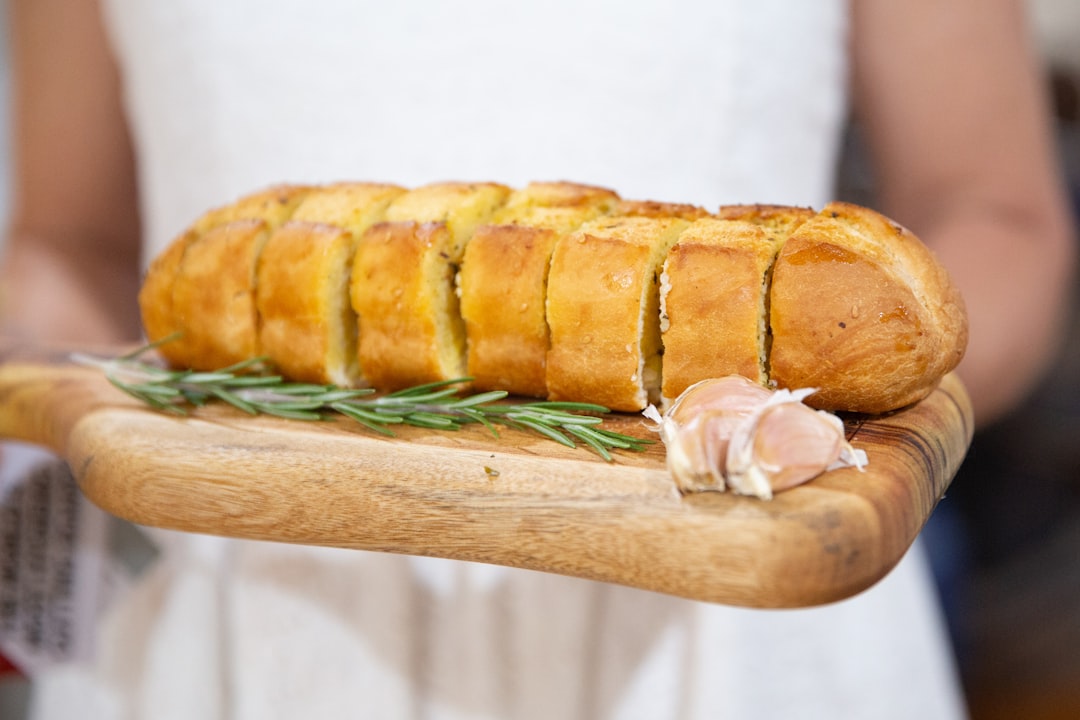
(67, 292)
(70, 267)
(951, 100)
(1014, 272)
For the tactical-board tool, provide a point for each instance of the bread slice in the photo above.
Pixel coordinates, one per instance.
(273, 206)
(213, 296)
(713, 292)
(503, 283)
(779, 219)
(862, 310)
(556, 205)
(353, 206)
(411, 331)
(462, 207)
(603, 311)
(656, 209)
(156, 298)
(307, 325)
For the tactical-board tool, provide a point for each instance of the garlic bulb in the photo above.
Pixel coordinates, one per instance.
(732, 433)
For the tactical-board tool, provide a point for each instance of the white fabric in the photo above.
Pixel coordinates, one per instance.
(706, 102)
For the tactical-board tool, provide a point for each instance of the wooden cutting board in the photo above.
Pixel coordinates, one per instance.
(517, 500)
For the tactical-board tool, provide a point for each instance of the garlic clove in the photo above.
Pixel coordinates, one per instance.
(698, 426)
(693, 458)
(733, 394)
(730, 433)
(789, 444)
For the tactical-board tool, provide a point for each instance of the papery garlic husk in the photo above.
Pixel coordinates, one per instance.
(786, 443)
(698, 425)
(730, 433)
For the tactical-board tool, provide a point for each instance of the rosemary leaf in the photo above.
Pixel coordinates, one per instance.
(359, 413)
(291, 414)
(545, 430)
(478, 399)
(251, 387)
(426, 419)
(478, 416)
(235, 400)
(587, 433)
(364, 418)
(591, 442)
(154, 390)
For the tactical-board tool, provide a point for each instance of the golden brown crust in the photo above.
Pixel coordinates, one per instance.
(549, 195)
(862, 310)
(857, 306)
(503, 283)
(307, 325)
(656, 209)
(402, 288)
(462, 207)
(156, 298)
(713, 294)
(603, 311)
(780, 219)
(213, 296)
(354, 206)
(274, 205)
(503, 290)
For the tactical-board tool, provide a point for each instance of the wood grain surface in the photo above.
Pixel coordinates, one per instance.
(517, 500)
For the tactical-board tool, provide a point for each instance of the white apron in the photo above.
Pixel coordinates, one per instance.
(704, 102)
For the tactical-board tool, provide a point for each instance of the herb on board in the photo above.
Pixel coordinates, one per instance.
(251, 387)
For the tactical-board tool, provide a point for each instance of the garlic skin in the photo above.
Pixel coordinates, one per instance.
(698, 425)
(731, 433)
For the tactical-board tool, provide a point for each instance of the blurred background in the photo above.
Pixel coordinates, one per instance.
(1005, 542)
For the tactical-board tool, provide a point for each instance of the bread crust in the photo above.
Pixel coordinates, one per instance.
(461, 206)
(307, 324)
(403, 285)
(503, 283)
(862, 310)
(656, 209)
(354, 206)
(274, 205)
(713, 296)
(779, 220)
(603, 310)
(156, 300)
(558, 293)
(402, 289)
(213, 296)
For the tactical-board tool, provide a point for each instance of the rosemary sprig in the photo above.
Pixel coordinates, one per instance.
(252, 387)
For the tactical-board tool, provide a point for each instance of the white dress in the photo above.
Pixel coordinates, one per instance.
(704, 102)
